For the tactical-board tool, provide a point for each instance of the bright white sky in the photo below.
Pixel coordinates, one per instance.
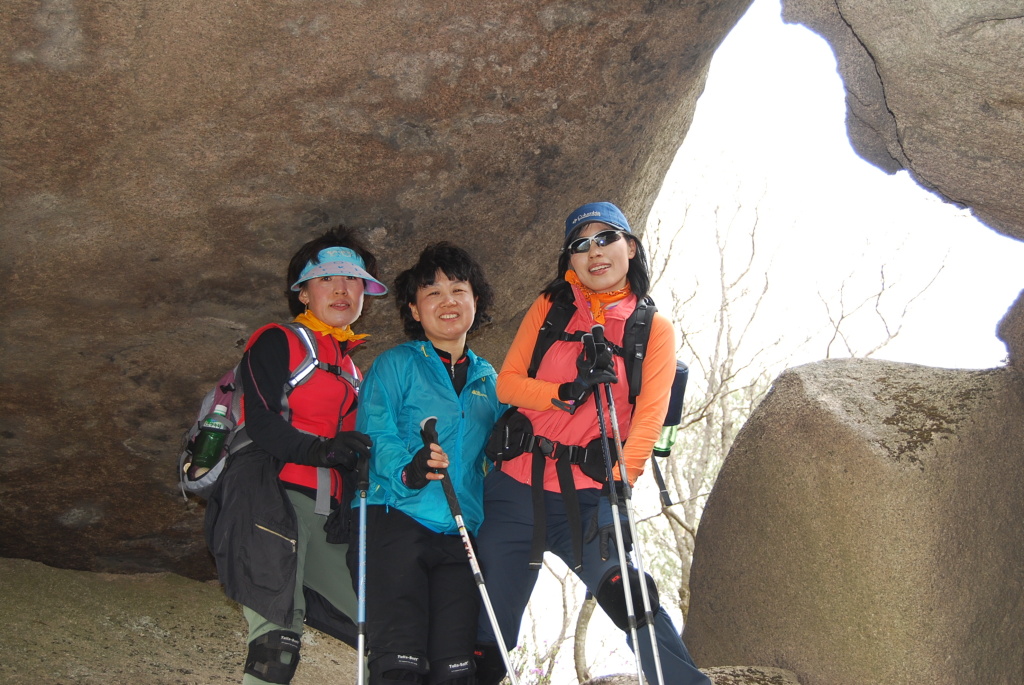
(769, 133)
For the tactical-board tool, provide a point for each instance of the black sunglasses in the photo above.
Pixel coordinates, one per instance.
(581, 245)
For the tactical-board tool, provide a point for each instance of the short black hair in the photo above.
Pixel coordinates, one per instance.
(339, 236)
(638, 275)
(457, 265)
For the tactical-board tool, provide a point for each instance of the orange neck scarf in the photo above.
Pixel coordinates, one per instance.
(597, 301)
(340, 334)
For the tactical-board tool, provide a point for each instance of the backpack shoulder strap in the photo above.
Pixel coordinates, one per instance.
(561, 311)
(634, 343)
(352, 375)
(304, 371)
(636, 334)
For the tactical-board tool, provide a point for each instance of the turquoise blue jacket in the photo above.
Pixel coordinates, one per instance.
(406, 385)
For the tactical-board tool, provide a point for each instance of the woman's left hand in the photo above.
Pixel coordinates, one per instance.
(421, 469)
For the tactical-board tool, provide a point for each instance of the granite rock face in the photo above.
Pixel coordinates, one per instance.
(161, 161)
(934, 87)
(722, 675)
(865, 528)
(1011, 332)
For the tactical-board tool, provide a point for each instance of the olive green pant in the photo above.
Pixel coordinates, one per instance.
(321, 567)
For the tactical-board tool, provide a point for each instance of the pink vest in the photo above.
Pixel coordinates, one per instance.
(559, 366)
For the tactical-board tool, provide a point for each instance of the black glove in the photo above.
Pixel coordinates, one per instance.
(343, 450)
(601, 524)
(594, 366)
(414, 475)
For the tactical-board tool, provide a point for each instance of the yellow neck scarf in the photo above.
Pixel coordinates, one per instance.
(597, 301)
(340, 334)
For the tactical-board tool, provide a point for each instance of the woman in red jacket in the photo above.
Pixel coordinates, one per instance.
(276, 521)
(554, 496)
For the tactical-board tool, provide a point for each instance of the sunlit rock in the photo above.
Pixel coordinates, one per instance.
(865, 529)
(932, 88)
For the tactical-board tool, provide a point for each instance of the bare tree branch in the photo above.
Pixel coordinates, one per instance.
(579, 650)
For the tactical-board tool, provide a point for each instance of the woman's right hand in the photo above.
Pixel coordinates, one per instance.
(344, 450)
(594, 366)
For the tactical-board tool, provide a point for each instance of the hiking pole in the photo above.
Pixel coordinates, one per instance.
(428, 428)
(363, 484)
(589, 341)
(630, 517)
(673, 417)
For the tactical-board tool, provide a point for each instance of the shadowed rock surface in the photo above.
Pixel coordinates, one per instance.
(1011, 332)
(162, 160)
(162, 629)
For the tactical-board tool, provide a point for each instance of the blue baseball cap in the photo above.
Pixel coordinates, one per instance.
(605, 212)
(339, 261)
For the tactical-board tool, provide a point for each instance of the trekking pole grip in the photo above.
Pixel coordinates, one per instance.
(363, 473)
(428, 432)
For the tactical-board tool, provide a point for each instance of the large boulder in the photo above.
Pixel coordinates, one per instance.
(163, 159)
(934, 87)
(866, 528)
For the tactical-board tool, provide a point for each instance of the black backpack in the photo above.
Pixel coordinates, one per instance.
(635, 335)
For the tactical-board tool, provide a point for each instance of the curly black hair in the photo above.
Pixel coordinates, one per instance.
(457, 265)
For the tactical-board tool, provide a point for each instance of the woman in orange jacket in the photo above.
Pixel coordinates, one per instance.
(550, 492)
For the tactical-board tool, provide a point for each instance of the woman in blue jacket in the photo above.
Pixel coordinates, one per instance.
(421, 598)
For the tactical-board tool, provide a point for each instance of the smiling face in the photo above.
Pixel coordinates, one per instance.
(445, 309)
(335, 300)
(603, 269)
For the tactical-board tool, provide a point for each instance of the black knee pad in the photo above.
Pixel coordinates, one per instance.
(611, 597)
(490, 666)
(273, 657)
(397, 668)
(456, 671)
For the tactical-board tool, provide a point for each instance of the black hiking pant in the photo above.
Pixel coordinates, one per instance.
(421, 598)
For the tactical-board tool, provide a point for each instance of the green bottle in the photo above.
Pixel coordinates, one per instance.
(663, 447)
(210, 441)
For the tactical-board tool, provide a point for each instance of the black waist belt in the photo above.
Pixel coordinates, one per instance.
(565, 457)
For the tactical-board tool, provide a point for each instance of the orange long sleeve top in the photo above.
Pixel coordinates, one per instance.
(534, 395)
